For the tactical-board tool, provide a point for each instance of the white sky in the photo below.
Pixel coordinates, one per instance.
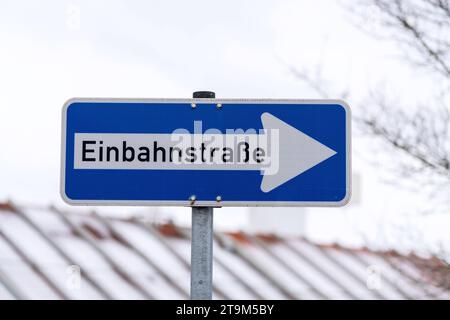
(51, 51)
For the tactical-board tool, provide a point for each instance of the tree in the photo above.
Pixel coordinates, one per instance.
(422, 135)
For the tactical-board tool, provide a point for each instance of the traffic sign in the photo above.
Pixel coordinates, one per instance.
(206, 152)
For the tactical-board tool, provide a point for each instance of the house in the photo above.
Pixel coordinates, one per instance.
(48, 253)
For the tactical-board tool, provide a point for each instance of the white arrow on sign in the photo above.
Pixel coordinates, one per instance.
(279, 160)
(298, 152)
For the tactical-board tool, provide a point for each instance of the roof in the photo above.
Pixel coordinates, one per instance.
(42, 249)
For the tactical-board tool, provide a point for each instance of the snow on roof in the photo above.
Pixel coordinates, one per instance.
(42, 249)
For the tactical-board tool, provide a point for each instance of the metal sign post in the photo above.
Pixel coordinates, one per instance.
(202, 242)
(202, 253)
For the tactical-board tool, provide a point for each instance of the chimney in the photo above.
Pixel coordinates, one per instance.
(280, 221)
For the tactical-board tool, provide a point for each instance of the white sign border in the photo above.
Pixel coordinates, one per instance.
(212, 203)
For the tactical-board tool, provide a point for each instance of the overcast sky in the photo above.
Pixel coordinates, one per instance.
(51, 51)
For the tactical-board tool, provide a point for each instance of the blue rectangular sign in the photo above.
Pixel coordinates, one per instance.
(205, 152)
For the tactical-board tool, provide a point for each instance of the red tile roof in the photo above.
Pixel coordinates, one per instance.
(41, 250)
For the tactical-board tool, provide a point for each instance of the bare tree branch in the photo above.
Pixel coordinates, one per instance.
(421, 136)
(420, 25)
